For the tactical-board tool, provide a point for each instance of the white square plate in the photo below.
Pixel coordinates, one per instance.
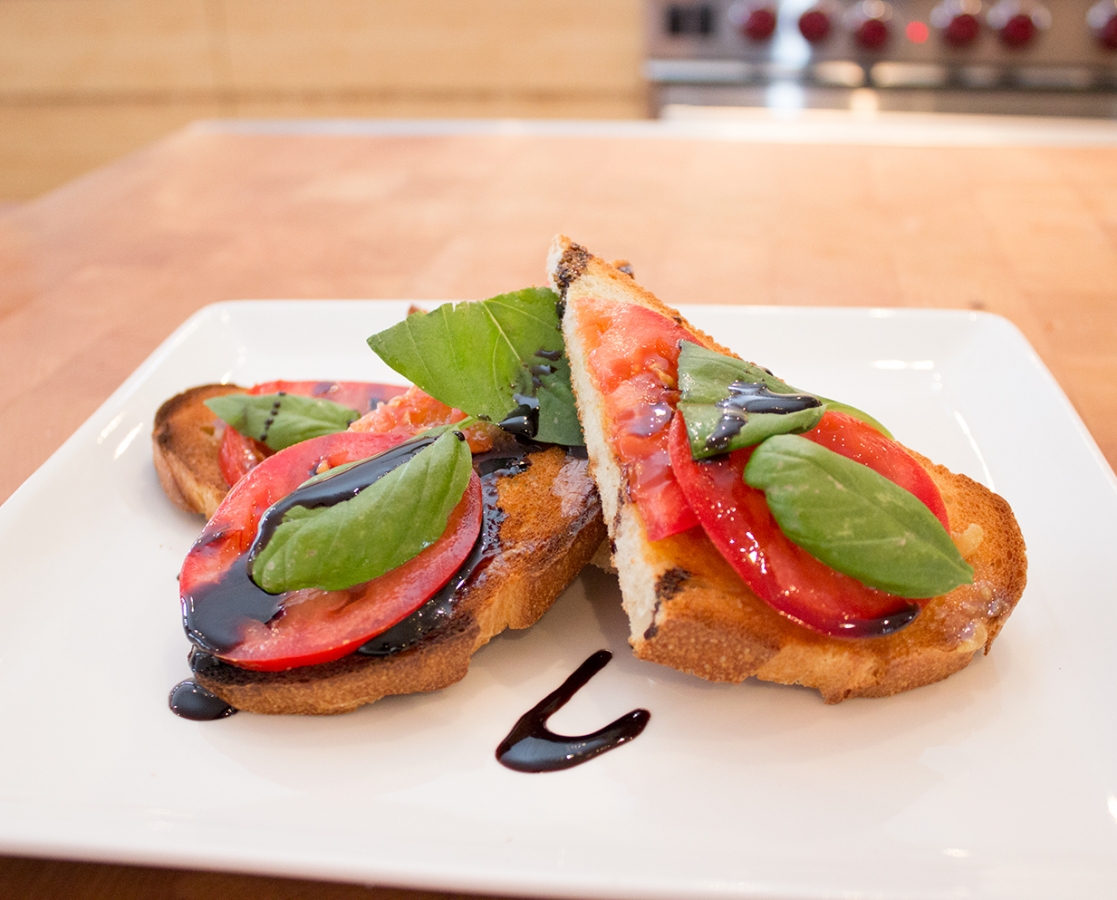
(999, 782)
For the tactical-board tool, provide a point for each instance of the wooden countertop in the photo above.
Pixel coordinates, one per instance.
(1022, 223)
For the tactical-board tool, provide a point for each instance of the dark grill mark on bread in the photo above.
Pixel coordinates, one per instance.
(651, 631)
(669, 584)
(622, 500)
(571, 266)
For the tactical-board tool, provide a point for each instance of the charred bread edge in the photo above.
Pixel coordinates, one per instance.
(552, 528)
(689, 610)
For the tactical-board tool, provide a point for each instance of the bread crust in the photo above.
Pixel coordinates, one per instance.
(689, 610)
(185, 442)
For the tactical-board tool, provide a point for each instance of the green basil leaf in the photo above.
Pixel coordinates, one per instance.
(704, 374)
(855, 520)
(281, 420)
(382, 527)
(714, 429)
(489, 358)
(708, 380)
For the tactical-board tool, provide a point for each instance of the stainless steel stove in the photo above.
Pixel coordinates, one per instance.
(1022, 57)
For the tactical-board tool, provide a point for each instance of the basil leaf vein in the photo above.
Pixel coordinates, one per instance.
(491, 359)
(281, 420)
(855, 520)
(382, 527)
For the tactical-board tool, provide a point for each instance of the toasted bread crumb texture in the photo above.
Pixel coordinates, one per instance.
(552, 528)
(185, 442)
(688, 609)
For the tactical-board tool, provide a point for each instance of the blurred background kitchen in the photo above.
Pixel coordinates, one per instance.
(83, 82)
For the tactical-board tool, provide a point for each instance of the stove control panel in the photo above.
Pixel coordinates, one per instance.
(793, 34)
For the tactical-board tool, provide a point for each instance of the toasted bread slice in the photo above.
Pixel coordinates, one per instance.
(185, 442)
(544, 522)
(688, 609)
(549, 527)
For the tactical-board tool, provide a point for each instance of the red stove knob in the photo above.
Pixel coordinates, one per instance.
(872, 34)
(1102, 18)
(814, 25)
(1018, 30)
(962, 30)
(1018, 22)
(868, 22)
(756, 21)
(1108, 34)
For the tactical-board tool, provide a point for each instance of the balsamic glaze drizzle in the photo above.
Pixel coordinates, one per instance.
(532, 747)
(753, 398)
(757, 397)
(270, 420)
(523, 421)
(886, 624)
(190, 700)
(650, 420)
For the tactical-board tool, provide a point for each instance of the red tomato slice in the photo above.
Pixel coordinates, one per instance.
(310, 626)
(738, 522)
(239, 454)
(862, 443)
(633, 358)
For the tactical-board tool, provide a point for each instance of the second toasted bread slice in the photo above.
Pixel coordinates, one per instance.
(690, 610)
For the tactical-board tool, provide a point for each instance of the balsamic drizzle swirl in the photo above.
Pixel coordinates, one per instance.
(532, 747)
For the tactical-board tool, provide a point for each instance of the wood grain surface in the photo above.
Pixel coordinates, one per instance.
(96, 274)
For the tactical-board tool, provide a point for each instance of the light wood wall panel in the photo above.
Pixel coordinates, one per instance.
(445, 45)
(63, 47)
(85, 81)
